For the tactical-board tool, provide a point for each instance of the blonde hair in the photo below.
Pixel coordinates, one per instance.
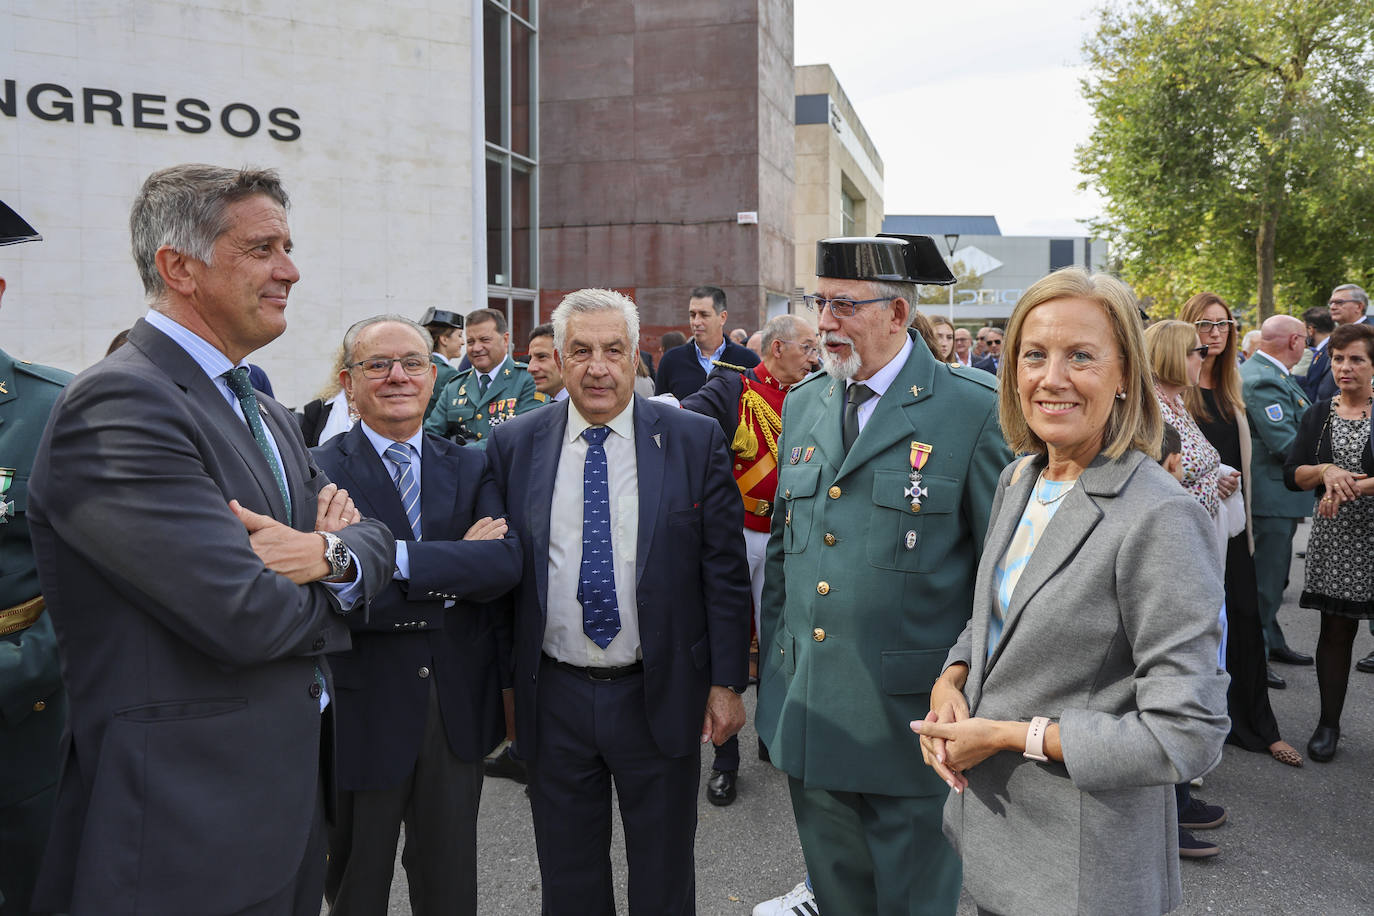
(1167, 343)
(1135, 421)
(1225, 374)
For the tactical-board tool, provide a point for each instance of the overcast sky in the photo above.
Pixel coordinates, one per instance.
(974, 106)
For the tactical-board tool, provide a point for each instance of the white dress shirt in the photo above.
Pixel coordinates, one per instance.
(1282, 367)
(564, 638)
(878, 383)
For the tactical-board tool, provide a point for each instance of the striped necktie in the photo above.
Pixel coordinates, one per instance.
(406, 484)
(237, 379)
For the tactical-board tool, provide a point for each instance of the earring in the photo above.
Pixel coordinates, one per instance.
(1121, 395)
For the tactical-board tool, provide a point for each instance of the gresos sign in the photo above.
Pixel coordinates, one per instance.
(146, 111)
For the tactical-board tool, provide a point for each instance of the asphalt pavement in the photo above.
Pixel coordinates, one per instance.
(1296, 840)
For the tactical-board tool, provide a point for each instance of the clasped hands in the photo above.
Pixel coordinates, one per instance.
(951, 741)
(298, 555)
(1341, 487)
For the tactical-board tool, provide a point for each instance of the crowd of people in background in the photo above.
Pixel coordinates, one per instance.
(564, 561)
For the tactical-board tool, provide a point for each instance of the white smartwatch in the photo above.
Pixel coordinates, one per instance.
(1035, 740)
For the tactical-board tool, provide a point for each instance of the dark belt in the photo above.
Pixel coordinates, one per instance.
(598, 674)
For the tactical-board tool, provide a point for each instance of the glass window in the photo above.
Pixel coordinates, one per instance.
(511, 74)
(522, 219)
(846, 215)
(493, 68)
(521, 74)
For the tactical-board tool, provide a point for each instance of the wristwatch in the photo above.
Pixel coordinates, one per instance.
(1035, 740)
(738, 690)
(336, 554)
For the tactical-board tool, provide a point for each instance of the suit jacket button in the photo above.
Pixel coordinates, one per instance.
(423, 624)
(316, 690)
(822, 588)
(834, 492)
(39, 706)
(423, 672)
(319, 644)
(818, 634)
(829, 539)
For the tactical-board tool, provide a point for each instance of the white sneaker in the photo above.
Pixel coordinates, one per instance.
(799, 901)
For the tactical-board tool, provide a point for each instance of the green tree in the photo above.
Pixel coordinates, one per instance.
(964, 278)
(1232, 147)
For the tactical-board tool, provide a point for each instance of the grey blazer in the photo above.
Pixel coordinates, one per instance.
(1113, 633)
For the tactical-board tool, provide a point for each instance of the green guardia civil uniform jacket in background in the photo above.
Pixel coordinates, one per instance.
(33, 705)
(863, 596)
(463, 405)
(443, 374)
(1274, 403)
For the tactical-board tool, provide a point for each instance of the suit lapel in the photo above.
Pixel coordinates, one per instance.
(438, 495)
(825, 432)
(371, 485)
(649, 457)
(546, 447)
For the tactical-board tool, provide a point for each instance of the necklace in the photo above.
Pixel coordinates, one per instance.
(1040, 481)
(1364, 411)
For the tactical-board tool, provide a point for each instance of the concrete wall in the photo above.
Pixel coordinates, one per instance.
(380, 175)
(830, 156)
(660, 121)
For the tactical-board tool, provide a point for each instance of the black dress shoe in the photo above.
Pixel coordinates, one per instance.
(720, 788)
(1366, 664)
(1322, 747)
(1289, 656)
(1275, 682)
(506, 766)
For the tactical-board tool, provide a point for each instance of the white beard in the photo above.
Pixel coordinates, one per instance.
(840, 370)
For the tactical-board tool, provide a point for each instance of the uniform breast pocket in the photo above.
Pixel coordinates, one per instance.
(796, 500)
(897, 533)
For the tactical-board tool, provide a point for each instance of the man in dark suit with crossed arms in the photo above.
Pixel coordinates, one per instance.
(420, 693)
(632, 620)
(182, 536)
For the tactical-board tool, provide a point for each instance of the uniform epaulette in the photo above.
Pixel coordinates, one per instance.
(819, 373)
(724, 365)
(540, 396)
(519, 365)
(986, 379)
(46, 373)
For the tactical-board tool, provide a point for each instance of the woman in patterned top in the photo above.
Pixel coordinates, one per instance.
(1332, 455)
(1176, 356)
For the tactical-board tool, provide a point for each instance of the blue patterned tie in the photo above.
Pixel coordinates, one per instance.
(248, 400)
(406, 484)
(596, 583)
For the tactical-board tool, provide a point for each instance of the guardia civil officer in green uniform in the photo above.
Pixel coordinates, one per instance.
(1274, 403)
(495, 389)
(446, 331)
(33, 705)
(887, 466)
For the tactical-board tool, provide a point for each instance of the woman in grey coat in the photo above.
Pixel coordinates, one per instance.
(1086, 683)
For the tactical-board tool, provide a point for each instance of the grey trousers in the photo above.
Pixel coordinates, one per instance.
(438, 804)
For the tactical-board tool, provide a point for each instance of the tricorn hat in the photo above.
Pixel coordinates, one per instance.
(443, 317)
(14, 229)
(887, 256)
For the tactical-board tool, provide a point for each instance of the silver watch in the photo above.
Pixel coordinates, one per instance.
(335, 553)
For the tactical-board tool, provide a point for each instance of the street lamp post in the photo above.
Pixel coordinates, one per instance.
(951, 239)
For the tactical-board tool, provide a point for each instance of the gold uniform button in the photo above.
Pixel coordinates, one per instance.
(739, 467)
(822, 588)
(834, 492)
(916, 508)
(818, 634)
(39, 706)
(787, 493)
(829, 540)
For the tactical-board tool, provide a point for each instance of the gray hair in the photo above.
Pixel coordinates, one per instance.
(183, 207)
(782, 327)
(1355, 293)
(584, 301)
(897, 290)
(353, 333)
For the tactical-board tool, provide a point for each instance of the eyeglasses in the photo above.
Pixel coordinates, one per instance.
(380, 367)
(1206, 327)
(840, 308)
(1344, 302)
(809, 349)
(1198, 351)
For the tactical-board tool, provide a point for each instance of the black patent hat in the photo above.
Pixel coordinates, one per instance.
(443, 317)
(887, 256)
(14, 229)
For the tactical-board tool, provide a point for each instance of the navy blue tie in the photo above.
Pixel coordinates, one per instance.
(596, 582)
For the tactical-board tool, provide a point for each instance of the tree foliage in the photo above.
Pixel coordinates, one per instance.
(964, 278)
(1232, 146)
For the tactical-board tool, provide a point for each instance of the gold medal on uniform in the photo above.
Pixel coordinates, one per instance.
(6, 505)
(920, 453)
(462, 389)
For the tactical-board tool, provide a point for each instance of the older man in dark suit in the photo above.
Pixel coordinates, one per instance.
(632, 621)
(183, 537)
(420, 692)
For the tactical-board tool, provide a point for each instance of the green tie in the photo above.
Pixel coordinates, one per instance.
(248, 400)
(483, 382)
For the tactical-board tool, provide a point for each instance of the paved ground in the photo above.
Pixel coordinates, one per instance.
(1298, 841)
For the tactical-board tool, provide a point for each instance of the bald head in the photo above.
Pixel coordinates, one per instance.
(1283, 338)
